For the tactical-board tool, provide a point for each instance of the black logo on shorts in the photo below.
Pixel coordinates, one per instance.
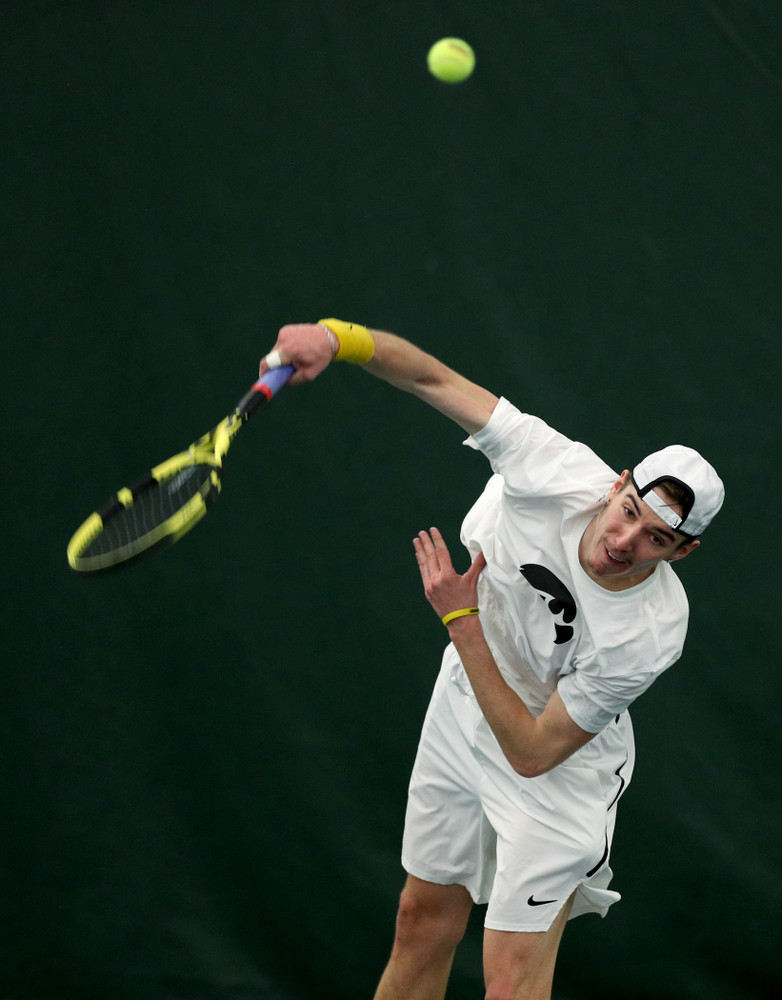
(561, 602)
(539, 902)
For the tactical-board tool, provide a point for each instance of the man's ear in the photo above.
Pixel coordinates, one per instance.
(685, 550)
(619, 485)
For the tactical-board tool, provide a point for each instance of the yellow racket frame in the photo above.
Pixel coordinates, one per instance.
(208, 450)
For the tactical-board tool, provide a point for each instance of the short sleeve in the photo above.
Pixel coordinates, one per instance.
(533, 458)
(610, 680)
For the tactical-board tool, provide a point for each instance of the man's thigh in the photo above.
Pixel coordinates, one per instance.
(520, 964)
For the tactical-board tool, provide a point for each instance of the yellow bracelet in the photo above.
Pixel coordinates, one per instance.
(355, 341)
(460, 614)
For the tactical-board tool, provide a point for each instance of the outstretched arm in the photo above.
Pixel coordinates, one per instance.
(405, 366)
(532, 745)
(309, 348)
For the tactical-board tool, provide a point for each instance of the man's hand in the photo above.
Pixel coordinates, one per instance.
(306, 346)
(444, 588)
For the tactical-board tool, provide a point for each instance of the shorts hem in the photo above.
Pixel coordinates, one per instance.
(538, 926)
(441, 878)
(586, 899)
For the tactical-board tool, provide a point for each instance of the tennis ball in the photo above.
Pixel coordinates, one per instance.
(451, 60)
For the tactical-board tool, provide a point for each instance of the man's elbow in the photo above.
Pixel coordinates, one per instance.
(531, 764)
(530, 767)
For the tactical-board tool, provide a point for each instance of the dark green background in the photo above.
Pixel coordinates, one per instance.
(204, 758)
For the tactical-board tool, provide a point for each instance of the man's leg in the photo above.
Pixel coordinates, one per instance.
(520, 965)
(430, 924)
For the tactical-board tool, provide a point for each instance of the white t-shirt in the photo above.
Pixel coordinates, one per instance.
(548, 624)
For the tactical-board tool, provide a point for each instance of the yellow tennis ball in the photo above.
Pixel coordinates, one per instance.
(451, 60)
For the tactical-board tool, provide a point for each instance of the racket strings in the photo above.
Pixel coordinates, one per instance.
(153, 506)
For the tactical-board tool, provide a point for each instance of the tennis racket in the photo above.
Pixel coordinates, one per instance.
(170, 499)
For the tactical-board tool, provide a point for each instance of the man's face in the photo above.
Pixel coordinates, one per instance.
(626, 540)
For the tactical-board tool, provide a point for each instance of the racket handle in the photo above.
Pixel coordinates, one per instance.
(273, 380)
(268, 385)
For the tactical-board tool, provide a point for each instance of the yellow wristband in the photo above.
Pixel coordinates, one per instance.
(460, 614)
(355, 341)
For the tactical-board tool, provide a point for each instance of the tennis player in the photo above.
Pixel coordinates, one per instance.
(569, 611)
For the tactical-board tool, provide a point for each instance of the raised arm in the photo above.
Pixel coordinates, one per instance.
(405, 366)
(532, 744)
(310, 348)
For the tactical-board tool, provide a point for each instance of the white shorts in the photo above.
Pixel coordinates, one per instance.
(522, 845)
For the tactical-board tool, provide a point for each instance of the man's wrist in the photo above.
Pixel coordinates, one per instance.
(333, 342)
(354, 342)
(454, 616)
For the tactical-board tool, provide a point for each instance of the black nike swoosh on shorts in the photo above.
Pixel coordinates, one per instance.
(539, 902)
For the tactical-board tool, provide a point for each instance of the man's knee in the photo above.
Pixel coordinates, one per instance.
(436, 914)
(513, 976)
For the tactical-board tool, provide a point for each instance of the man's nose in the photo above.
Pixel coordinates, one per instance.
(625, 538)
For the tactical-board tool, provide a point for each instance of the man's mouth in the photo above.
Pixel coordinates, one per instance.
(615, 560)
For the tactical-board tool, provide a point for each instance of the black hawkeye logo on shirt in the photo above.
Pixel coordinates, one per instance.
(561, 603)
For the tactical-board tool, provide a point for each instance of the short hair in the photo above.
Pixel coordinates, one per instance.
(677, 493)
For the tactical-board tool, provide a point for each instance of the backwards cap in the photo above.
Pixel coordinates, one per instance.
(703, 488)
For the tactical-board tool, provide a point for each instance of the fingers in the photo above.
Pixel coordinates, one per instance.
(434, 559)
(431, 545)
(306, 346)
(477, 567)
(272, 360)
(275, 359)
(441, 549)
(444, 588)
(425, 556)
(432, 552)
(428, 561)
